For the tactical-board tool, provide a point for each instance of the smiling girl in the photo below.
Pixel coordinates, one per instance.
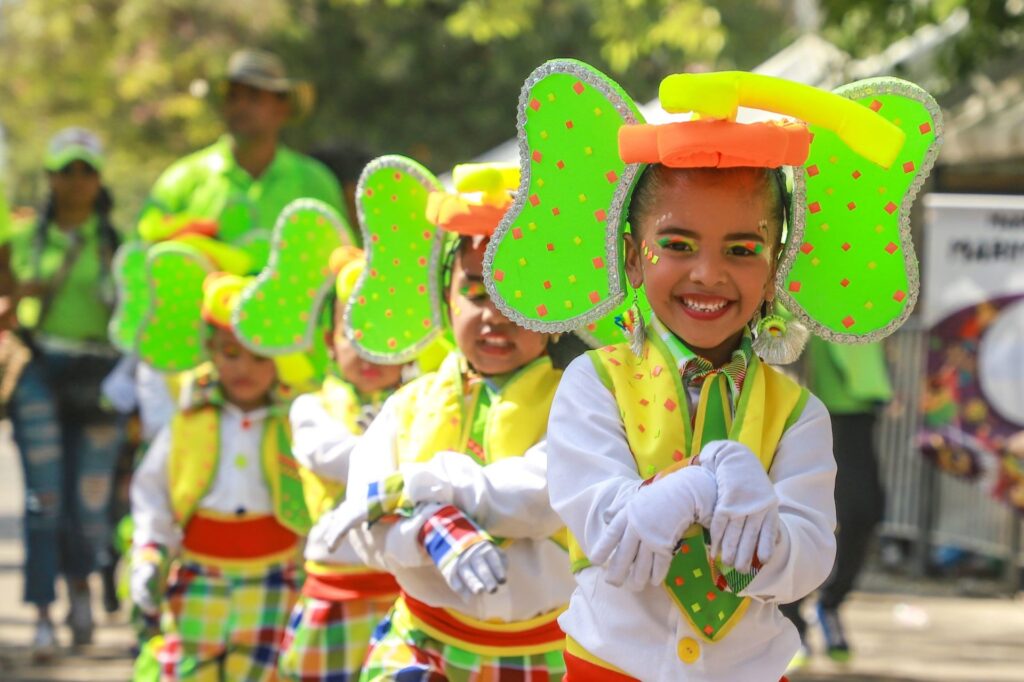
(473, 541)
(696, 480)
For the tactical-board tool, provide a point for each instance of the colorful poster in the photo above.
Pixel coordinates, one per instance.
(973, 310)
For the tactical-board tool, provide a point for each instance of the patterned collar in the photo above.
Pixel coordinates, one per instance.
(694, 368)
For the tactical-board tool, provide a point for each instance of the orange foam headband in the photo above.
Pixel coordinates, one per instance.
(454, 213)
(716, 143)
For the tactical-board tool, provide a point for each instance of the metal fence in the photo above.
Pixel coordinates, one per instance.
(924, 505)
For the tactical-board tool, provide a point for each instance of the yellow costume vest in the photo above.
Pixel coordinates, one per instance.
(436, 411)
(195, 451)
(654, 407)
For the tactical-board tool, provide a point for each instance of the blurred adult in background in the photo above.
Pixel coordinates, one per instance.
(853, 382)
(249, 170)
(60, 266)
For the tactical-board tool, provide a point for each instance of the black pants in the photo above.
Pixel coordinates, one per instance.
(860, 503)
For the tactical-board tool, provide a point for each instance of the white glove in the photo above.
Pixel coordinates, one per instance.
(643, 536)
(334, 525)
(145, 586)
(746, 518)
(419, 485)
(481, 568)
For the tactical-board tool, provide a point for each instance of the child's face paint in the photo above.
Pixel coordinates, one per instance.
(246, 378)
(366, 376)
(710, 266)
(491, 342)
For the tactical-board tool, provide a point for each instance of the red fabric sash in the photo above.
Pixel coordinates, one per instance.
(349, 587)
(247, 538)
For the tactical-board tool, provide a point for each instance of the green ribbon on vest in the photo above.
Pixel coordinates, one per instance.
(704, 590)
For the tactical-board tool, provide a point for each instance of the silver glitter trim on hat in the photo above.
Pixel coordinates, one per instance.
(430, 183)
(627, 110)
(855, 91)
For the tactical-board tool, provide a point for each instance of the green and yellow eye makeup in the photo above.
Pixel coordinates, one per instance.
(744, 247)
(677, 242)
(473, 291)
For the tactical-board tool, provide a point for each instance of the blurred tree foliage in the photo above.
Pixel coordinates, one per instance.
(435, 79)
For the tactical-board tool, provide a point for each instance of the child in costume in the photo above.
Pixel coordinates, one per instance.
(220, 488)
(342, 600)
(451, 476)
(696, 480)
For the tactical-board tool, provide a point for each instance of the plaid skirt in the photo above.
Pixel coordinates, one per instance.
(226, 624)
(327, 641)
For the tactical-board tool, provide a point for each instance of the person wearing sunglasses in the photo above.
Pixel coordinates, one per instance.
(59, 267)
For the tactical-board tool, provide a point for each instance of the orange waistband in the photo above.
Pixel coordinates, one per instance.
(349, 586)
(252, 537)
(502, 636)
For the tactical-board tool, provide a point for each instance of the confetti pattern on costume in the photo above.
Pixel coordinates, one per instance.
(129, 270)
(278, 313)
(173, 335)
(395, 310)
(851, 273)
(555, 260)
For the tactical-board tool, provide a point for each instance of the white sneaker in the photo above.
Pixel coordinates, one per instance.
(44, 642)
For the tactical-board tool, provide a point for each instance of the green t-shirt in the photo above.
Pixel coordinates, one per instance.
(848, 378)
(209, 183)
(78, 311)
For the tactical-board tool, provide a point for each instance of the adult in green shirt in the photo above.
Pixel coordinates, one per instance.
(60, 263)
(248, 176)
(853, 382)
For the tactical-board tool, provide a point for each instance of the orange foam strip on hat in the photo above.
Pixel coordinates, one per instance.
(716, 144)
(453, 213)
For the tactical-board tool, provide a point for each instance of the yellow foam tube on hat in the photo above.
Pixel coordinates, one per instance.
(345, 284)
(226, 257)
(220, 296)
(494, 180)
(296, 371)
(719, 95)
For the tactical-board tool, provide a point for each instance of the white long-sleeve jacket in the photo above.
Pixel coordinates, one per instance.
(508, 498)
(591, 470)
(323, 445)
(239, 485)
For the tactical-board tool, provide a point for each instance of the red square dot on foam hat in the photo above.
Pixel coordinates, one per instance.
(577, 87)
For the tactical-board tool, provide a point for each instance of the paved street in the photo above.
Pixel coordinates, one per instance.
(902, 631)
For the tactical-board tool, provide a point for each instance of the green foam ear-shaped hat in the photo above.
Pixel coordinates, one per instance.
(395, 311)
(172, 337)
(277, 313)
(849, 271)
(132, 283)
(556, 258)
(859, 157)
